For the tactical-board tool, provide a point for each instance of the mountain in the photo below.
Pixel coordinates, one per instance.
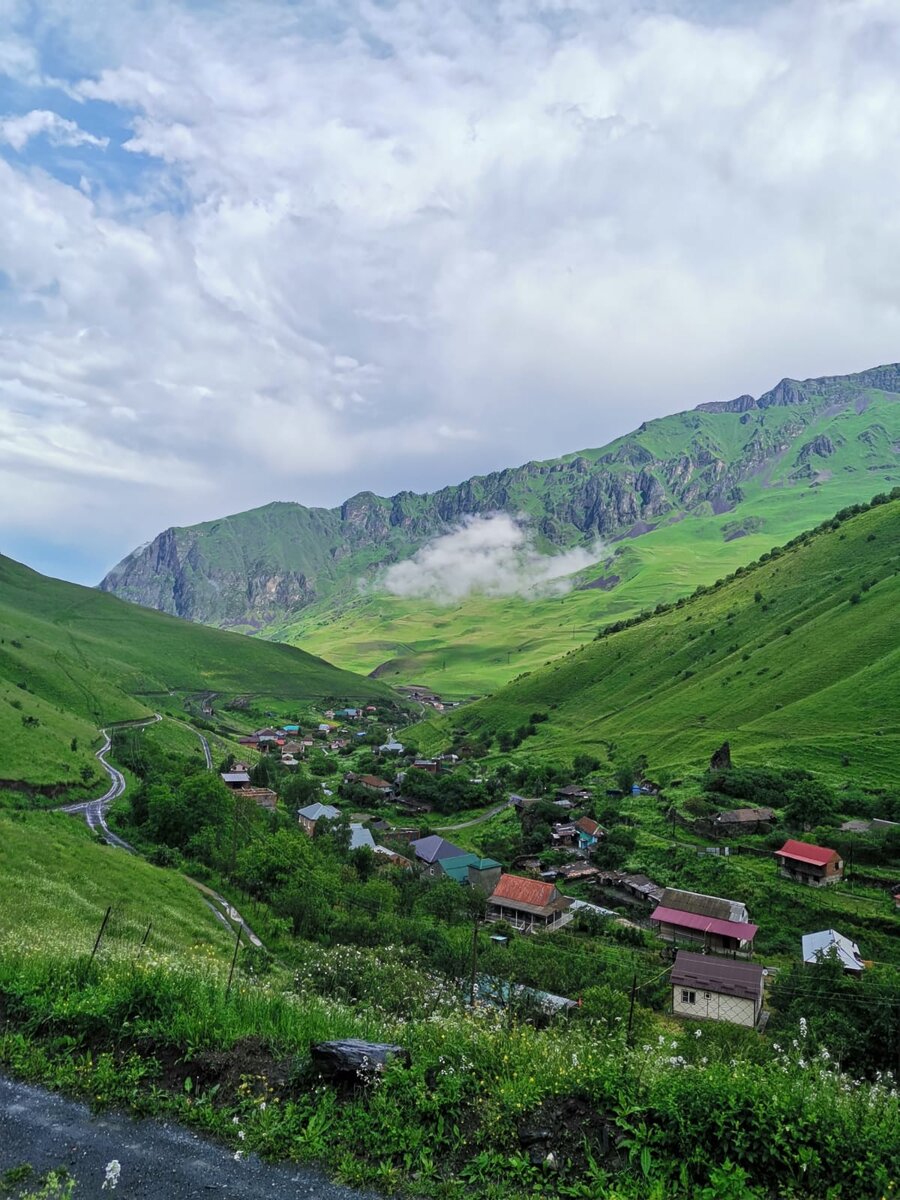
(683, 499)
(73, 659)
(794, 660)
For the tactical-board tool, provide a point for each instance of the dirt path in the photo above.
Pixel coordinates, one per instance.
(158, 1161)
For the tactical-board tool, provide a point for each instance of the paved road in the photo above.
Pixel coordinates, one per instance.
(203, 742)
(476, 821)
(94, 811)
(158, 1161)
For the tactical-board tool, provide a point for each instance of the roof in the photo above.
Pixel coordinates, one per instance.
(360, 836)
(524, 891)
(586, 825)
(372, 781)
(573, 790)
(742, 930)
(705, 906)
(458, 866)
(314, 812)
(740, 816)
(806, 852)
(830, 942)
(434, 848)
(727, 976)
(235, 777)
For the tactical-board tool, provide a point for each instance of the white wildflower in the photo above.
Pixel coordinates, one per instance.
(697, 1033)
(113, 1171)
(238, 1155)
(241, 1135)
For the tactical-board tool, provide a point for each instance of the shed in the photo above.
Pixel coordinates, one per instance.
(805, 863)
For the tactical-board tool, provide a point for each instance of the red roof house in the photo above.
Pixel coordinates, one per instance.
(805, 863)
(527, 904)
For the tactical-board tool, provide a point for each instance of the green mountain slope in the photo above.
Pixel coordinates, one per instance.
(684, 499)
(796, 660)
(73, 659)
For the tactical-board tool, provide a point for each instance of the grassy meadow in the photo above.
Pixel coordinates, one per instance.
(796, 661)
(73, 659)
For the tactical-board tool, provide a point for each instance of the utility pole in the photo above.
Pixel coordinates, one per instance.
(474, 965)
(631, 1008)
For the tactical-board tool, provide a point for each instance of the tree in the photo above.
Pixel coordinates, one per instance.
(808, 803)
(625, 778)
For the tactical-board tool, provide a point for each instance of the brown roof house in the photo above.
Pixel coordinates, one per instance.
(716, 989)
(529, 905)
(745, 820)
(812, 865)
(374, 783)
(717, 924)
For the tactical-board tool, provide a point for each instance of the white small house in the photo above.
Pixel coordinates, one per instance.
(707, 988)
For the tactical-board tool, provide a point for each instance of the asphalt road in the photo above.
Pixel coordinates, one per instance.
(94, 811)
(158, 1161)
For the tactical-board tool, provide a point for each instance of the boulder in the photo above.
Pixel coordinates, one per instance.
(352, 1057)
(721, 759)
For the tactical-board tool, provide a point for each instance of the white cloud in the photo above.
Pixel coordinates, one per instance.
(387, 246)
(492, 555)
(19, 130)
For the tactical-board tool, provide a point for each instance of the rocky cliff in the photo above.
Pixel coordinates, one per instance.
(257, 567)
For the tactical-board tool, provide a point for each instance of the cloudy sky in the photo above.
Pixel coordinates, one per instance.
(257, 250)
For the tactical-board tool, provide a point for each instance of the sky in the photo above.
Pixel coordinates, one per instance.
(254, 250)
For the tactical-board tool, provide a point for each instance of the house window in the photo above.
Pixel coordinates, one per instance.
(688, 997)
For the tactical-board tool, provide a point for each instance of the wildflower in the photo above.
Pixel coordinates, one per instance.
(241, 1134)
(113, 1171)
(697, 1033)
(238, 1155)
(803, 1027)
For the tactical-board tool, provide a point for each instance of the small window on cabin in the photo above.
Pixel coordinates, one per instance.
(688, 997)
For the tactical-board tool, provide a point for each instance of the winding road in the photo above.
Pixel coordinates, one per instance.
(475, 820)
(94, 812)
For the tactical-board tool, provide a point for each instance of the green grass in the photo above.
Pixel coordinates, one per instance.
(87, 658)
(57, 880)
(475, 647)
(802, 677)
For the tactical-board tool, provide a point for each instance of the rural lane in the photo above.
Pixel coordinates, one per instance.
(94, 812)
(476, 821)
(158, 1161)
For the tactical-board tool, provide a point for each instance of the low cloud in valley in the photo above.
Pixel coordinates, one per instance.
(492, 555)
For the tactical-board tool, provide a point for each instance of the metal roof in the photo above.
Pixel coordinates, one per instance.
(806, 852)
(314, 812)
(360, 836)
(705, 906)
(235, 777)
(524, 891)
(828, 942)
(705, 972)
(743, 931)
(434, 847)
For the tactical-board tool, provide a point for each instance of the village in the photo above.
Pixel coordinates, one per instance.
(565, 879)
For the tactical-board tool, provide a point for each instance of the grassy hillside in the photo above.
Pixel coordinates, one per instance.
(680, 501)
(57, 880)
(478, 645)
(795, 661)
(73, 659)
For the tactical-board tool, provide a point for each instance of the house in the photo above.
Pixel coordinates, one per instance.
(589, 833)
(579, 869)
(482, 874)
(316, 812)
(563, 835)
(573, 793)
(523, 802)
(360, 836)
(809, 864)
(716, 989)
(745, 820)
(391, 746)
(374, 784)
(393, 858)
(264, 797)
(431, 850)
(412, 805)
(829, 943)
(529, 905)
(635, 887)
(290, 728)
(288, 760)
(718, 924)
(426, 764)
(235, 779)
